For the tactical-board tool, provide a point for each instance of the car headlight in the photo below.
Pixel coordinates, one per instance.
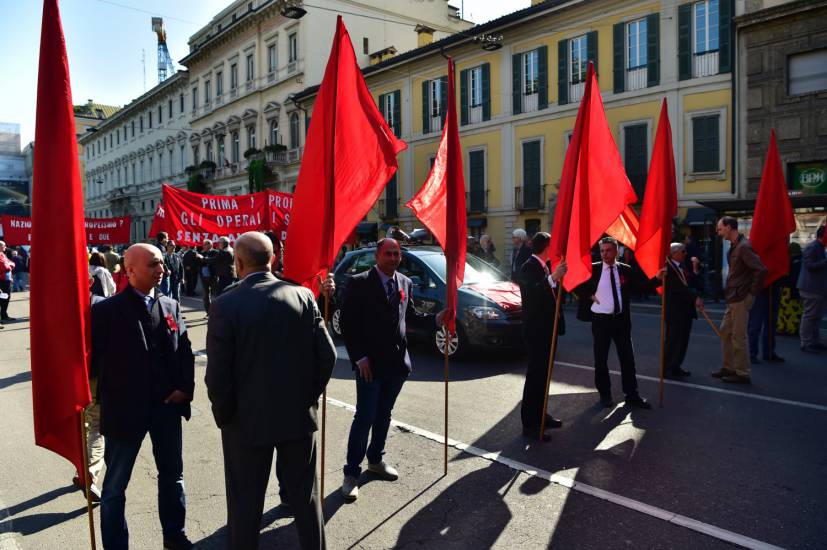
(487, 313)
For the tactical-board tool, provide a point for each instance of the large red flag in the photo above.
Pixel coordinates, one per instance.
(773, 220)
(660, 202)
(594, 190)
(440, 204)
(349, 157)
(59, 305)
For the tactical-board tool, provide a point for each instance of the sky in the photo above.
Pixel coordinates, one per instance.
(106, 41)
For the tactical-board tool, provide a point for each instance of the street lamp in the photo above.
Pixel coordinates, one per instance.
(293, 10)
(490, 43)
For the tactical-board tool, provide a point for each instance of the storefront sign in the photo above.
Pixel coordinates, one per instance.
(808, 178)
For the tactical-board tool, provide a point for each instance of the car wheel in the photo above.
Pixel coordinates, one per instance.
(456, 347)
(336, 322)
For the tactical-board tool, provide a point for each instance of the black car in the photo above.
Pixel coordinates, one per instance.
(489, 312)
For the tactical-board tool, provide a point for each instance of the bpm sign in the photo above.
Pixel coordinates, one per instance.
(808, 178)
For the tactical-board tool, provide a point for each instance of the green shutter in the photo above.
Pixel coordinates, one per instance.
(542, 74)
(562, 72)
(684, 41)
(476, 180)
(306, 123)
(380, 104)
(463, 97)
(591, 49)
(397, 113)
(653, 50)
(426, 107)
(391, 210)
(705, 144)
(486, 91)
(443, 98)
(724, 36)
(619, 68)
(531, 174)
(516, 83)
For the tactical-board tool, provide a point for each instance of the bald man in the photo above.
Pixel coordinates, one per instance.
(142, 357)
(269, 358)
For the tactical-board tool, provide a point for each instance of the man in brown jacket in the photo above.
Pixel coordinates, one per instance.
(745, 280)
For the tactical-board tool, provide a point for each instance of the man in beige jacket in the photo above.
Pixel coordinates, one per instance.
(745, 280)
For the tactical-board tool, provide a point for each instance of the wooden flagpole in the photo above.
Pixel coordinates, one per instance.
(711, 324)
(554, 333)
(87, 485)
(663, 334)
(448, 337)
(324, 403)
(770, 324)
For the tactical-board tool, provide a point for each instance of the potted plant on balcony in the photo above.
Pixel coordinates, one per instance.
(275, 148)
(207, 168)
(196, 183)
(258, 174)
(251, 152)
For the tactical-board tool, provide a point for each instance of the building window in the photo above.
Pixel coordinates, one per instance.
(117, 137)
(134, 178)
(292, 48)
(271, 58)
(636, 155)
(706, 143)
(475, 77)
(578, 59)
(233, 76)
(219, 83)
(807, 72)
(294, 130)
(207, 92)
(706, 26)
(151, 174)
(208, 152)
(183, 154)
(169, 110)
(636, 44)
(149, 119)
(251, 137)
(250, 68)
(365, 45)
(221, 158)
(274, 131)
(194, 99)
(160, 164)
(160, 114)
(133, 128)
(435, 87)
(181, 103)
(141, 123)
(236, 147)
(531, 80)
(143, 176)
(196, 155)
(388, 108)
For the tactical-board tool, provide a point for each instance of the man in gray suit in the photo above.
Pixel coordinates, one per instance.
(812, 284)
(270, 357)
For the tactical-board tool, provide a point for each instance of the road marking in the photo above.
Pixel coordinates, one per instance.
(653, 511)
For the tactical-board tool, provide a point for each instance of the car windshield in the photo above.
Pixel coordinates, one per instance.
(476, 271)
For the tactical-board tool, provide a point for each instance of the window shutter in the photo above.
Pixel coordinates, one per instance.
(426, 107)
(705, 143)
(542, 74)
(562, 72)
(619, 69)
(380, 103)
(391, 210)
(476, 173)
(397, 113)
(443, 98)
(653, 49)
(684, 41)
(306, 123)
(486, 91)
(531, 174)
(725, 36)
(591, 48)
(463, 97)
(516, 83)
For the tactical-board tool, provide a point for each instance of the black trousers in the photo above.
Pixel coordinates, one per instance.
(246, 472)
(190, 281)
(5, 287)
(531, 411)
(208, 290)
(605, 330)
(677, 342)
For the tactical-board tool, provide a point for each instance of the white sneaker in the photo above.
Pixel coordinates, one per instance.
(350, 488)
(388, 473)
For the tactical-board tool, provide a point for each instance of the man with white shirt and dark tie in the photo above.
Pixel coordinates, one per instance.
(604, 300)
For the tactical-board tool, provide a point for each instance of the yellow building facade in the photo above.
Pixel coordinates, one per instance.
(517, 104)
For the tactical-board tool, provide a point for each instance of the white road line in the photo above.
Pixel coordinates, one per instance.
(653, 511)
(341, 352)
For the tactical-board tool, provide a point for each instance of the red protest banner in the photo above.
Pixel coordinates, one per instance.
(17, 230)
(190, 218)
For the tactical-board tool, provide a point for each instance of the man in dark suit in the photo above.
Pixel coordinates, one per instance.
(538, 289)
(190, 261)
(812, 284)
(520, 253)
(376, 306)
(207, 273)
(221, 263)
(605, 301)
(269, 358)
(682, 299)
(143, 360)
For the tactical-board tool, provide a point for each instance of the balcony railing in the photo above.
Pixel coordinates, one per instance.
(476, 201)
(576, 91)
(531, 102)
(233, 93)
(218, 100)
(475, 114)
(249, 85)
(705, 64)
(271, 77)
(435, 124)
(530, 198)
(292, 66)
(388, 210)
(636, 78)
(285, 158)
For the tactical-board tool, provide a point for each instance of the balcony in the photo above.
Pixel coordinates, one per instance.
(271, 77)
(530, 198)
(218, 100)
(284, 158)
(250, 85)
(292, 66)
(705, 64)
(388, 210)
(636, 78)
(576, 91)
(531, 102)
(233, 93)
(435, 124)
(476, 201)
(475, 114)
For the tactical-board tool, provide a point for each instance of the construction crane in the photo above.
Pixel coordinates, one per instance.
(165, 66)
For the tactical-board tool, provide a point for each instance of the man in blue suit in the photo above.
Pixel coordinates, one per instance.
(142, 357)
(812, 284)
(374, 313)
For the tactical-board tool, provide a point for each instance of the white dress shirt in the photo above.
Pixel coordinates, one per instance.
(604, 303)
(545, 268)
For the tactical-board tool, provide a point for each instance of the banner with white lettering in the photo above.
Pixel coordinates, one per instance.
(190, 218)
(18, 230)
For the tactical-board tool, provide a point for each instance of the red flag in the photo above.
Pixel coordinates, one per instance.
(349, 157)
(158, 220)
(60, 338)
(440, 204)
(594, 190)
(773, 220)
(625, 228)
(660, 202)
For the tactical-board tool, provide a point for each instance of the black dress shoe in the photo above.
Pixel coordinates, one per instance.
(534, 433)
(606, 402)
(677, 373)
(775, 358)
(177, 543)
(754, 360)
(552, 422)
(638, 402)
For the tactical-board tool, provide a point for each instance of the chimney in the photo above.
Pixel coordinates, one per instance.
(426, 35)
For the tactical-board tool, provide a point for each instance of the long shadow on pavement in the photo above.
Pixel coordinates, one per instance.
(27, 525)
(18, 378)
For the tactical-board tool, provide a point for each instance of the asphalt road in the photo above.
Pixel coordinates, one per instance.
(717, 465)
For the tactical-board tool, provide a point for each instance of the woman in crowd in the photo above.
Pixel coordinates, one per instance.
(789, 309)
(102, 283)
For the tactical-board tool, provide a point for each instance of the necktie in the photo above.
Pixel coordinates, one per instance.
(389, 284)
(614, 289)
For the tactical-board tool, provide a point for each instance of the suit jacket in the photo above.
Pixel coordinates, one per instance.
(680, 296)
(175, 265)
(269, 359)
(539, 303)
(813, 276)
(518, 258)
(375, 327)
(132, 378)
(629, 280)
(221, 264)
